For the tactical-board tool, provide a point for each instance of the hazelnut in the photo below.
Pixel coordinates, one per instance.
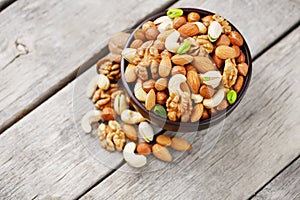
(178, 22)
(161, 97)
(108, 114)
(143, 148)
(207, 91)
(178, 70)
(136, 44)
(139, 35)
(193, 17)
(151, 33)
(239, 84)
(149, 85)
(236, 38)
(223, 40)
(159, 45)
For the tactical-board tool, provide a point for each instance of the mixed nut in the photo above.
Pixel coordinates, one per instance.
(186, 67)
(118, 119)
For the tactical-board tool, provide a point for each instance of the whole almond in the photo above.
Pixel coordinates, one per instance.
(241, 58)
(161, 84)
(178, 70)
(165, 66)
(136, 43)
(188, 30)
(161, 152)
(197, 112)
(205, 114)
(223, 105)
(193, 80)
(149, 85)
(143, 148)
(130, 132)
(130, 74)
(180, 144)
(190, 67)
(218, 61)
(178, 22)
(203, 64)
(150, 100)
(182, 59)
(239, 84)
(238, 51)
(223, 40)
(163, 140)
(207, 91)
(243, 69)
(236, 38)
(225, 52)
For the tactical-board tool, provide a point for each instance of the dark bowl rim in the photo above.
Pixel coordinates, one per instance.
(201, 123)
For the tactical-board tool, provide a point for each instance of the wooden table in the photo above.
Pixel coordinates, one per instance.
(45, 156)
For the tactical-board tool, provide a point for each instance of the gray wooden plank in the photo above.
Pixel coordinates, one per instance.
(259, 139)
(285, 187)
(43, 43)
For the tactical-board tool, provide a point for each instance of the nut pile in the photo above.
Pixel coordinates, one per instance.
(118, 120)
(186, 67)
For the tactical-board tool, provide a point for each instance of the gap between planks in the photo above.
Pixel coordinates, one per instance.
(73, 75)
(259, 54)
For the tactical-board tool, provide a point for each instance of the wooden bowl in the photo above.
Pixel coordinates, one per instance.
(185, 126)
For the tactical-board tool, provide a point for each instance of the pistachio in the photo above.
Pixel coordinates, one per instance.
(231, 97)
(214, 31)
(175, 12)
(184, 47)
(212, 78)
(120, 104)
(146, 131)
(160, 111)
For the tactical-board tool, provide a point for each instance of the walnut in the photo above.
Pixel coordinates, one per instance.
(224, 23)
(186, 107)
(173, 107)
(111, 136)
(204, 42)
(111, 70)
(196, 49)
(141, 71)
(230, 73)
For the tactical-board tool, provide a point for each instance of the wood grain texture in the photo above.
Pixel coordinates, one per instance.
(259, 139)
(43, 43)
(285, 187)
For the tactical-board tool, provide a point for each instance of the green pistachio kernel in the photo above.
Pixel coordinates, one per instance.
(184, 47)
(206, 78)
(160, 111)
(176, 12)
(212, 39)
(231, 97)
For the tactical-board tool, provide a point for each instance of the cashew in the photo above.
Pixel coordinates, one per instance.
(130, 54)
(89, 118)
(174, 83)
(103, 82)
(139, 92)
(131, 117)
(163, 19)
(171, 43)
(212, 78)
(215, 100)
(146, 131)
(120, 104)
(131, 158)
(202, 28)
(197, 98)
(92, 86)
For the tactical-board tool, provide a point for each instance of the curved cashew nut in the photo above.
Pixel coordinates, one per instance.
(89, 118)
(212, 78)
(163, 19)
(202, 28)
(131, 158)
(174, 83)
(131, 117)
(139, 92)
(92, 86)
(197, 98)
(171, 43)
(120, 104)
(215, 100)
(146, 131)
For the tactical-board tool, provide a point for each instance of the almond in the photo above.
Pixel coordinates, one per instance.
(203, 64)
(130, 74)
(193, 80)
(161, 84)
(148, 85)
(163, 140)
(197, 112)
(225, 52)
(185, 87)
(223, 40)
(190, 67)
(178, 70)
(236, 38)
(243, 69)
(213, 112)
(165, 66)
(188, 30)
(238, 51)
(180, 144)
(150, 100)
(162, 153)
(241, 58)
(207, 91)
(239, 84)
(182, 59)
(178, 22)
(130, 132)
(136, 44)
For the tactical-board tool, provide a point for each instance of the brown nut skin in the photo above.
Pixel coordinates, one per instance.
(151, 33)
(161, 98)
(194, 81)
(188, 30)
(205, 114)
(139, 35)
(239, 84)
(238, 51)
(193, 17)
(213, 112)
(143, 148)
(223, 105)
(218, 61)
(178, 22)
(190, 67)
(130, 132)
(223, 40)
(164, 140)
(207, 91)
(159, 45)
(136, 44)
(236, 38)
(241, 58)
(161, 84)
(178, 70)
(243, 69)
(148, 85)
(108, 114)
(197, 112)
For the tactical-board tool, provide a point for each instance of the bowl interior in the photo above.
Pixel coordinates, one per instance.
(185, 126)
